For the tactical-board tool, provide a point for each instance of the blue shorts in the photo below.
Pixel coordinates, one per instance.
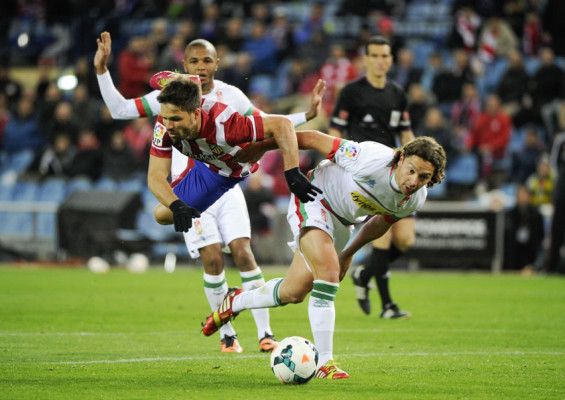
(201, 187)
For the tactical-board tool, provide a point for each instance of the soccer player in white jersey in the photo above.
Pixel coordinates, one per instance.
(361, 182)
(226, 222)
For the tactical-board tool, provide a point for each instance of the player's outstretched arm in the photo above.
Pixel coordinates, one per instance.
(371, 230)
(120, 107)
(316, 100)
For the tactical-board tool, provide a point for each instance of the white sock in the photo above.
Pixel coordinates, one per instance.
(321, 311)
(252, 280)
(266, 296)
(216, 288)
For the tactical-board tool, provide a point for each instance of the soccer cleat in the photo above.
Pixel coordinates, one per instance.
(331, 371)
(268, 343)
(230, 344)
(391, 311)
(162, 79)
(361, 290)
(222, 315)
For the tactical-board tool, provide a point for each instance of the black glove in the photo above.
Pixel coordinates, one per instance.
(182, 215)
(300, 185)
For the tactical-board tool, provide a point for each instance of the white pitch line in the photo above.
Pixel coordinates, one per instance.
(349, 355)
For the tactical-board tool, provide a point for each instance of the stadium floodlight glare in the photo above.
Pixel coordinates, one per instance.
(67, 82)
(23, 39)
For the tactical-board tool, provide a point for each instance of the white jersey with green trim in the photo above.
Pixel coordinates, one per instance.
(357, 182)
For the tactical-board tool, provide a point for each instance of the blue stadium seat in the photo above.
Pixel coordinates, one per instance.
(47, 225)
(78, 183)
(262, 84)
(25, 191)
(438, 191)
(146, 225)
(52, 190)
(6, 191)
(17, 223)
(148, 199)
(464, 170)
(132, 185)
(106, 184)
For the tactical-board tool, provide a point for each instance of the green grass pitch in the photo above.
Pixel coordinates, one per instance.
(71, 334)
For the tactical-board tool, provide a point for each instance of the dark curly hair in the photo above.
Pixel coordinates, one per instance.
(428, 149)
(183, 93)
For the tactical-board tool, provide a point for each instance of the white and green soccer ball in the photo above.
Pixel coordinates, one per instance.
(294, 360)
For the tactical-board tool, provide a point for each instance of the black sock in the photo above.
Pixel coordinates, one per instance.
(381, 273)
(394, 252)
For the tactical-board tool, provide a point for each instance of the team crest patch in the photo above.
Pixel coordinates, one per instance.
(349, 150)
(217, 150)
(158, 133)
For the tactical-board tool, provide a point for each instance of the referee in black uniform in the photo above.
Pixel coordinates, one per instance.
(374, 108)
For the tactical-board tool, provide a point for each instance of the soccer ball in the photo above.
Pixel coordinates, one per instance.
(294, 360)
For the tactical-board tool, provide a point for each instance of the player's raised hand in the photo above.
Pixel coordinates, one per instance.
(300, 185)
(316, 101)
(103, 52)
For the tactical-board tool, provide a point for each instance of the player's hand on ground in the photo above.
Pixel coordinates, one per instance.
(103, 53)
(316, 102)
(300, 185)
(182, 215)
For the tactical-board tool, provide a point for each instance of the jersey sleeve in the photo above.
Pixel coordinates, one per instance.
(162, 145)
(360, 159)
(122, 108)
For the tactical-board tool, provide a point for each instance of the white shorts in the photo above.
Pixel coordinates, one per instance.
(314, 214)
(224, 221)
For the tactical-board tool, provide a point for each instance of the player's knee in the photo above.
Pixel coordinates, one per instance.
(294, 297)
(213, 264)
(405, 243)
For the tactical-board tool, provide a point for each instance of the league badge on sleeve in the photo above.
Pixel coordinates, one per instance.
(349, 150)
(158, 133)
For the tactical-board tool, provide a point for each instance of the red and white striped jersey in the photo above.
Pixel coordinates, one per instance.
(224, 132)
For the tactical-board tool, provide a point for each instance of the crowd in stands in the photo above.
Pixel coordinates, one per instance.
(490, 87)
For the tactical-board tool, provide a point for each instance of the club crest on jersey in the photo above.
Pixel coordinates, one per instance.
(349, 150)
(217, 150)
(158, 133)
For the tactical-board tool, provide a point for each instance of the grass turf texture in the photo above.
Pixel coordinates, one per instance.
(70, 334)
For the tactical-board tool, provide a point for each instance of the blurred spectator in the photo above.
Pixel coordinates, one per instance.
(62, 122)
(239, 73)
(86, 110)
(172, 54)
(556, 259)
(337, 70)
(553, 24)
(448, 84)
(106, 125)
(514, 12)
(513, 85)
(11, 88)
(465, 111)
(88, 159)
(210, 24)
(262, 49)
(159, 35)
(135, 65)
(465, 30)
(260, 203)
(84, 71)
(524, 233)
(541, 183)
(311, 22)
(282, 34)
(44, 78)
(4, 116)
(436, 127)
(418, 104)
(525, 160)
(490, 135)
(118, 159)
(232, 35)
(404, 72)
(23, 130)
(532, 35)
(57, 158)
(46, 105)
(139, 134)
(434, 65)
(316, 50)
(548, 89)
(496, 39)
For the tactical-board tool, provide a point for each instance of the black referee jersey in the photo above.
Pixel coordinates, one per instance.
(368, 113)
